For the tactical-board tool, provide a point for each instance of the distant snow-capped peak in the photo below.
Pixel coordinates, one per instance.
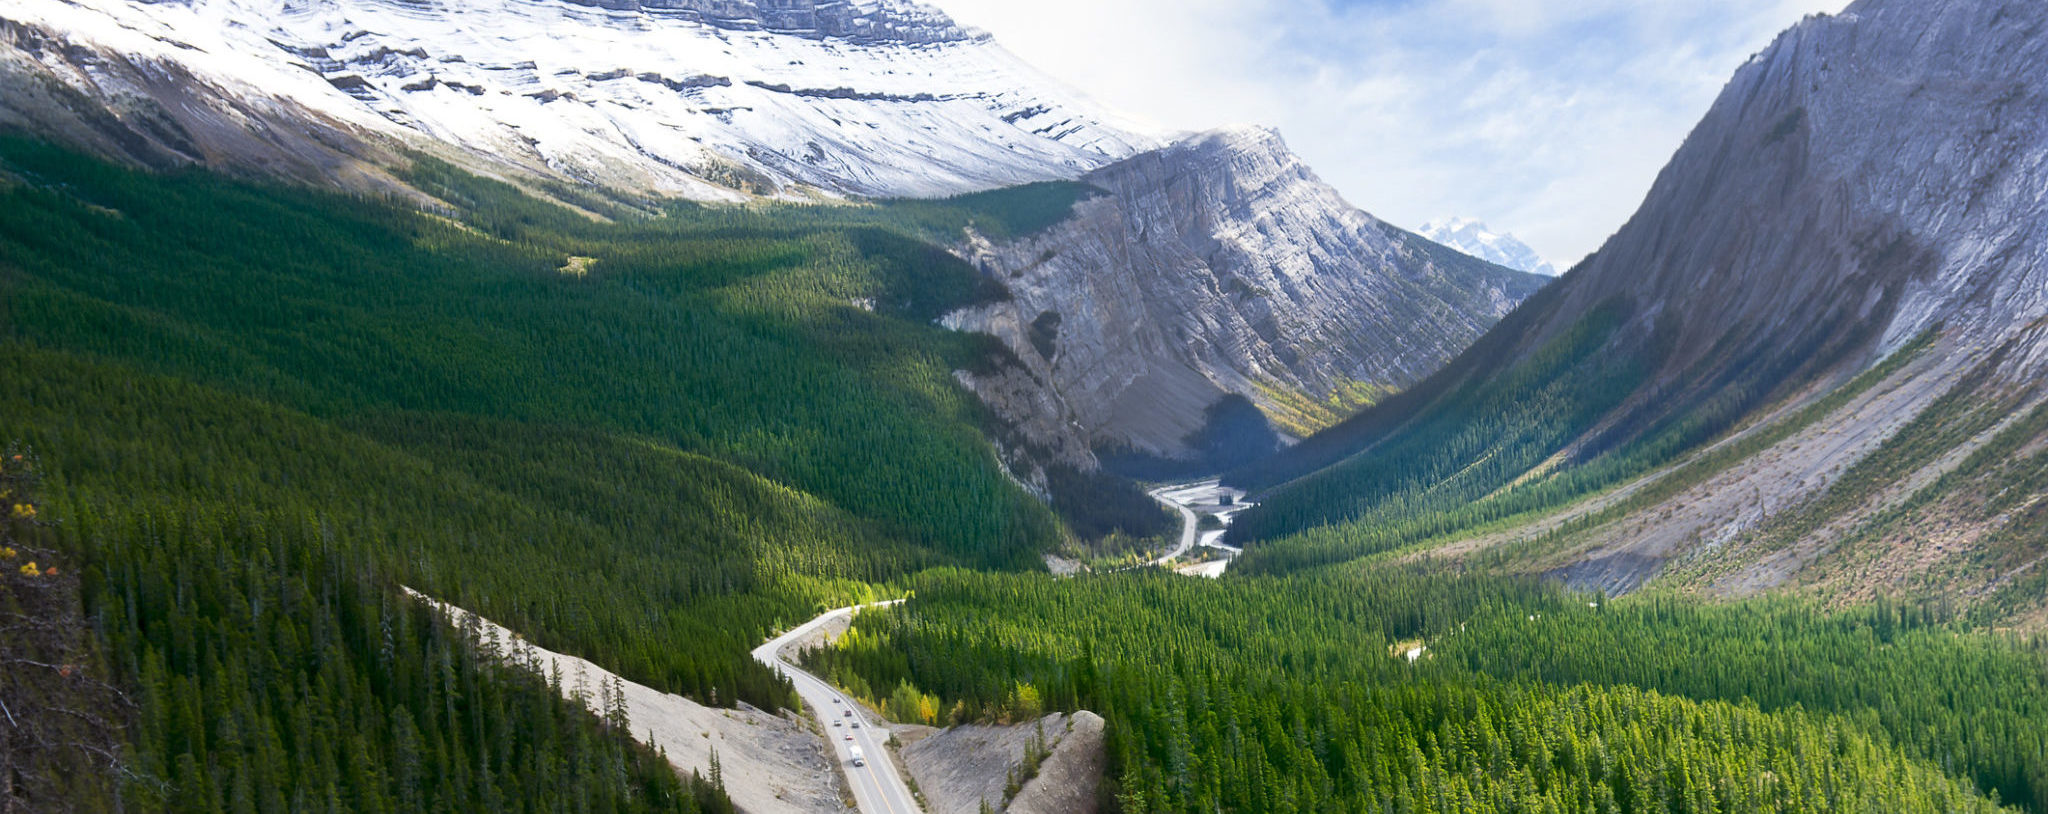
(1473, 238)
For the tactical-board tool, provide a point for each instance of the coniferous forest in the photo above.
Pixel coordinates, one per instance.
(249, 417)
(1301, 694)
(646, 438)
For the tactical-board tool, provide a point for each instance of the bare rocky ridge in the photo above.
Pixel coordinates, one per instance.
(1221, 265)
(162, 114)
(1882, 169)
(1871, 178)
(960, 768)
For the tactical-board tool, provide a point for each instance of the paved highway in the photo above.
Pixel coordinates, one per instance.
(877, 787)
(1188, 522)
(1183, 498)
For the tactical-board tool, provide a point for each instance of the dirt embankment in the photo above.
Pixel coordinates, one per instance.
(771, 764)
(1067, 781)
(959, 769)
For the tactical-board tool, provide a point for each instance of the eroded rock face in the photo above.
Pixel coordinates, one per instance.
(1223, 265)
(1868, 176)
(871, 21)
(1869, 179)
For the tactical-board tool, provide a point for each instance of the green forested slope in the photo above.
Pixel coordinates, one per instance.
(1288, 694)
(702, 436)
(1495, 436)
(261, 410)
(168, 657)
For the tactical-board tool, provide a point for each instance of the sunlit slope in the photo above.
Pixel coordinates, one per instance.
(725, 419)
(1828, 302)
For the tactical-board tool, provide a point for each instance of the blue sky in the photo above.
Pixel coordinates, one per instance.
(1545, 118)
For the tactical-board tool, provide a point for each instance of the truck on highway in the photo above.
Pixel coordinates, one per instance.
(858, 760)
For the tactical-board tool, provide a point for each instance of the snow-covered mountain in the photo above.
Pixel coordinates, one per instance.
(1473, 238)
(1217, 265)
(709, 99)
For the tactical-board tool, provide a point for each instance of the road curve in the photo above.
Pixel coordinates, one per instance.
(877, 787)
(1183, 497)
(1188, 522)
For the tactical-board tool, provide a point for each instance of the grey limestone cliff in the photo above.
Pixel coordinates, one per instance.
(1223, 265)
(1873, 181)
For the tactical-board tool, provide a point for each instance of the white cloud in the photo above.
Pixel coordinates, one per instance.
(1546, 118)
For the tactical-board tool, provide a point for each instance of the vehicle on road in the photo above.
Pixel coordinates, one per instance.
(849, 736)
(858, 759)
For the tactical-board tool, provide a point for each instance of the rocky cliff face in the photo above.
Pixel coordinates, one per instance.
(868, 22)
(704, 99)
(1869, 176)
(1222, 265)
(1871, 179)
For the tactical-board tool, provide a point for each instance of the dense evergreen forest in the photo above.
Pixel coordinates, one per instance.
(1298, 694)
(249, 415)
(255, 668)
(649, 438)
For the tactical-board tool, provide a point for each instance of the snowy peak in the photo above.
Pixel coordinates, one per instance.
(705, 99)
(1473, 238)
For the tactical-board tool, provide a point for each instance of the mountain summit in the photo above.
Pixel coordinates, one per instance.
(1473, 238)
(1223, 266)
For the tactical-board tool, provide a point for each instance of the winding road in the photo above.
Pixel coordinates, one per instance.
(1189, 523)
(877, 787)
(1183, 498)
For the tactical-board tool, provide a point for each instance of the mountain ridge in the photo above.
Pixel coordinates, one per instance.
(1222, 266)
(1864, 188)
